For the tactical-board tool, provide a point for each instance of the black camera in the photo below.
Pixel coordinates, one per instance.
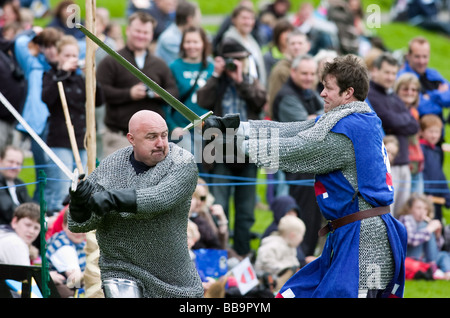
(150, 92)
(229, 64)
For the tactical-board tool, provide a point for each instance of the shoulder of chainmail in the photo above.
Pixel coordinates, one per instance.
(328, 120)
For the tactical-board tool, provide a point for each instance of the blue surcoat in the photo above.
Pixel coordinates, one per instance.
(336, 272)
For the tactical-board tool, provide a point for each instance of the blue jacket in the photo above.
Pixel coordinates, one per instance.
(35, 111)
(336, 272)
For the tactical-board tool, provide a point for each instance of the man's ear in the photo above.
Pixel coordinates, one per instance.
(349, 92)
(130, 138)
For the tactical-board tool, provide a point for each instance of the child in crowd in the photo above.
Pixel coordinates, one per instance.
(16, 239)
(277, 254)
(67, 259)
(193, 235)
(425, 235)
(435, 181)
(391, 144)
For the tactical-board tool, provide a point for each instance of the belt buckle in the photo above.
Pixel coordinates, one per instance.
(330, 226)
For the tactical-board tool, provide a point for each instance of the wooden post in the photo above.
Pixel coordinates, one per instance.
(92, 272)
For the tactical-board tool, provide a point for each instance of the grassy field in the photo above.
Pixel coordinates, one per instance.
(395, 36)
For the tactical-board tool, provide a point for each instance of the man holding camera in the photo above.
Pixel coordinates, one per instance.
(232, 90)
(124, 93)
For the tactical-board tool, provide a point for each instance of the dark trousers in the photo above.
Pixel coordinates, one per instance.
(244, 199)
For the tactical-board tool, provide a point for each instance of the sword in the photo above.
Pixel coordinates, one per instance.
(172, 101)
(72, 176)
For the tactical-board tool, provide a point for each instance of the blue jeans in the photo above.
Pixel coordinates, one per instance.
(429, 252)
(244, 200)
(58, 184)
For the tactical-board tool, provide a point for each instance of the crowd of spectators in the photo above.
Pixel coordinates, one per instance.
(263, 63)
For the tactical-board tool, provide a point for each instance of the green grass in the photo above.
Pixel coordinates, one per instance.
(395, 36)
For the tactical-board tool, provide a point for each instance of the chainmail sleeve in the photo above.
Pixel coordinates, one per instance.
(296, 154)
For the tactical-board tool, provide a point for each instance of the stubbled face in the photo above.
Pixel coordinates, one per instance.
(331, 94)
(150, 141)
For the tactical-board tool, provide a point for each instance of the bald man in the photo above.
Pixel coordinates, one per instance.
(138, 201)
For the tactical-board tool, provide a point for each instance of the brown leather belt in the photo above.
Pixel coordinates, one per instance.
(335, 224)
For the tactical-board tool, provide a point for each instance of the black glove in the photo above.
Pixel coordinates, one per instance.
(83, 192)
(222, 123)
(118, 200)
(78, 201)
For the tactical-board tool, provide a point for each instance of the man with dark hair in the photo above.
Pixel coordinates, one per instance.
(396, 119)
(365, 248)
(124, 93)
(168, 44)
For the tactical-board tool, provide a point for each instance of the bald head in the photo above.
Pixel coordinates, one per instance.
(144, 117)
(148, 134)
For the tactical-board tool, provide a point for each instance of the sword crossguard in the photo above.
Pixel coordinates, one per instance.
(202, 118)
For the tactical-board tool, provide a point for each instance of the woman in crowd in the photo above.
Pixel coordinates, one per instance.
(191, 71)
(407, 88)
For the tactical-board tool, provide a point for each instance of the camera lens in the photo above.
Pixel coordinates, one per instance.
(229, 65)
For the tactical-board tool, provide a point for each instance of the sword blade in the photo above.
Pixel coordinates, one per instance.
(36, 137)
(172, 101)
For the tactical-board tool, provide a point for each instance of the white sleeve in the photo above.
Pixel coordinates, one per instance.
(14, 251)
(65, 259)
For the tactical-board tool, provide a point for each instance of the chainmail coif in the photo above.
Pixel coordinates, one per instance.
(321, 151)
(149, 247)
